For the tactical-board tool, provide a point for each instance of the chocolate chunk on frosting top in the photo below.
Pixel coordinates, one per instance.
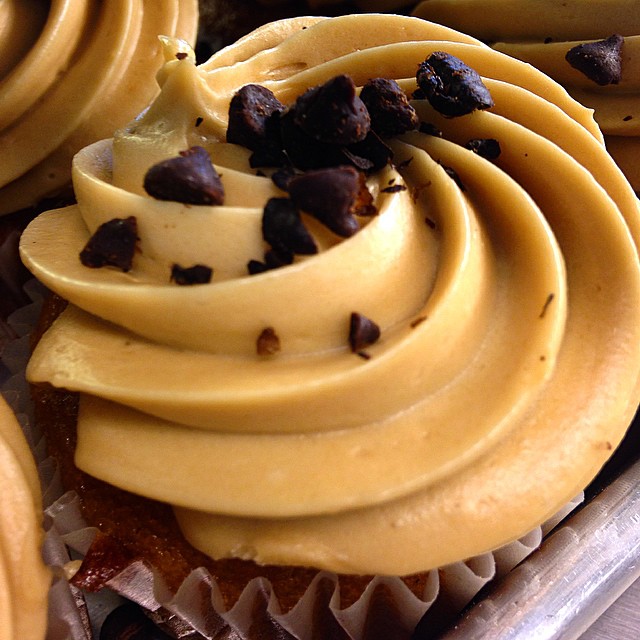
(600, 61)
(190, 178)
(451, 87)
(112, 245)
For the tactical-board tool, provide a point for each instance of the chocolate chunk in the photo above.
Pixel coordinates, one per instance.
(268, 342)
(362, 332)
(255, 266)
(304, 151)
(371, 154)
(388, 106)
(276, 258)
(189, 178)
(284, 230)
(249, 111)
(333, 196)
(600, 61)
(333, 113)
(451, 87)
(488, 148)
(197, 274)
(128, 622)
(113, 244)
(282, 177)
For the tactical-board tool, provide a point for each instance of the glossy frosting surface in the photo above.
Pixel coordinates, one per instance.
(509, 305)
(73, 71)
(24, 579)
(542, 33)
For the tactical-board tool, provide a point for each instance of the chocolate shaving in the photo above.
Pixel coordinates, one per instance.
(546, 304)
(250, 111)
(189, 178)
(197, 274)
(333, 196)
(390, 111)
(268, 343)
(362, 332)
(451, 87)
(113, 244)
(394, 188)
(488, 148)
(600, 61)
(284, 230)
(332, 112)
(453, 174)
(405, 163)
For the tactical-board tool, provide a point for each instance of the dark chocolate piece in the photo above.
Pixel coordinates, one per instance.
(282, 177)
(268, 343)
(451, 87)
(197, 274)
(600, 61)
(304, 151)
(333, 196)
(249, 110)
(390, 111)
(362, 332)
(453, 174)
(255, 266)
(333, 113)
(189, 178)
(394, 188)
(488, 148)
(284, 230)
(112, 245)
(371, 154)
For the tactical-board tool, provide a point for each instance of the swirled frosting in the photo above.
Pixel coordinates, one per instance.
(71, 72)
(543, 33)
(24, 579)
(508, 303)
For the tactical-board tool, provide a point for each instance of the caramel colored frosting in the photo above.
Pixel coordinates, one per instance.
(542, 33)
(508, 301)
(24, 579)
(71, 72)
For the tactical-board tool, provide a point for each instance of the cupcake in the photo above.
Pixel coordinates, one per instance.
(356, 295)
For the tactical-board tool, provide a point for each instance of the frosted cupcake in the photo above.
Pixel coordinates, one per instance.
(421, 372)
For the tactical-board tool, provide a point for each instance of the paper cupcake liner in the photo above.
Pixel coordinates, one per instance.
(198, 603)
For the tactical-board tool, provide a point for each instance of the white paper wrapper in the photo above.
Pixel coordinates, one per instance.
(198, 603)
